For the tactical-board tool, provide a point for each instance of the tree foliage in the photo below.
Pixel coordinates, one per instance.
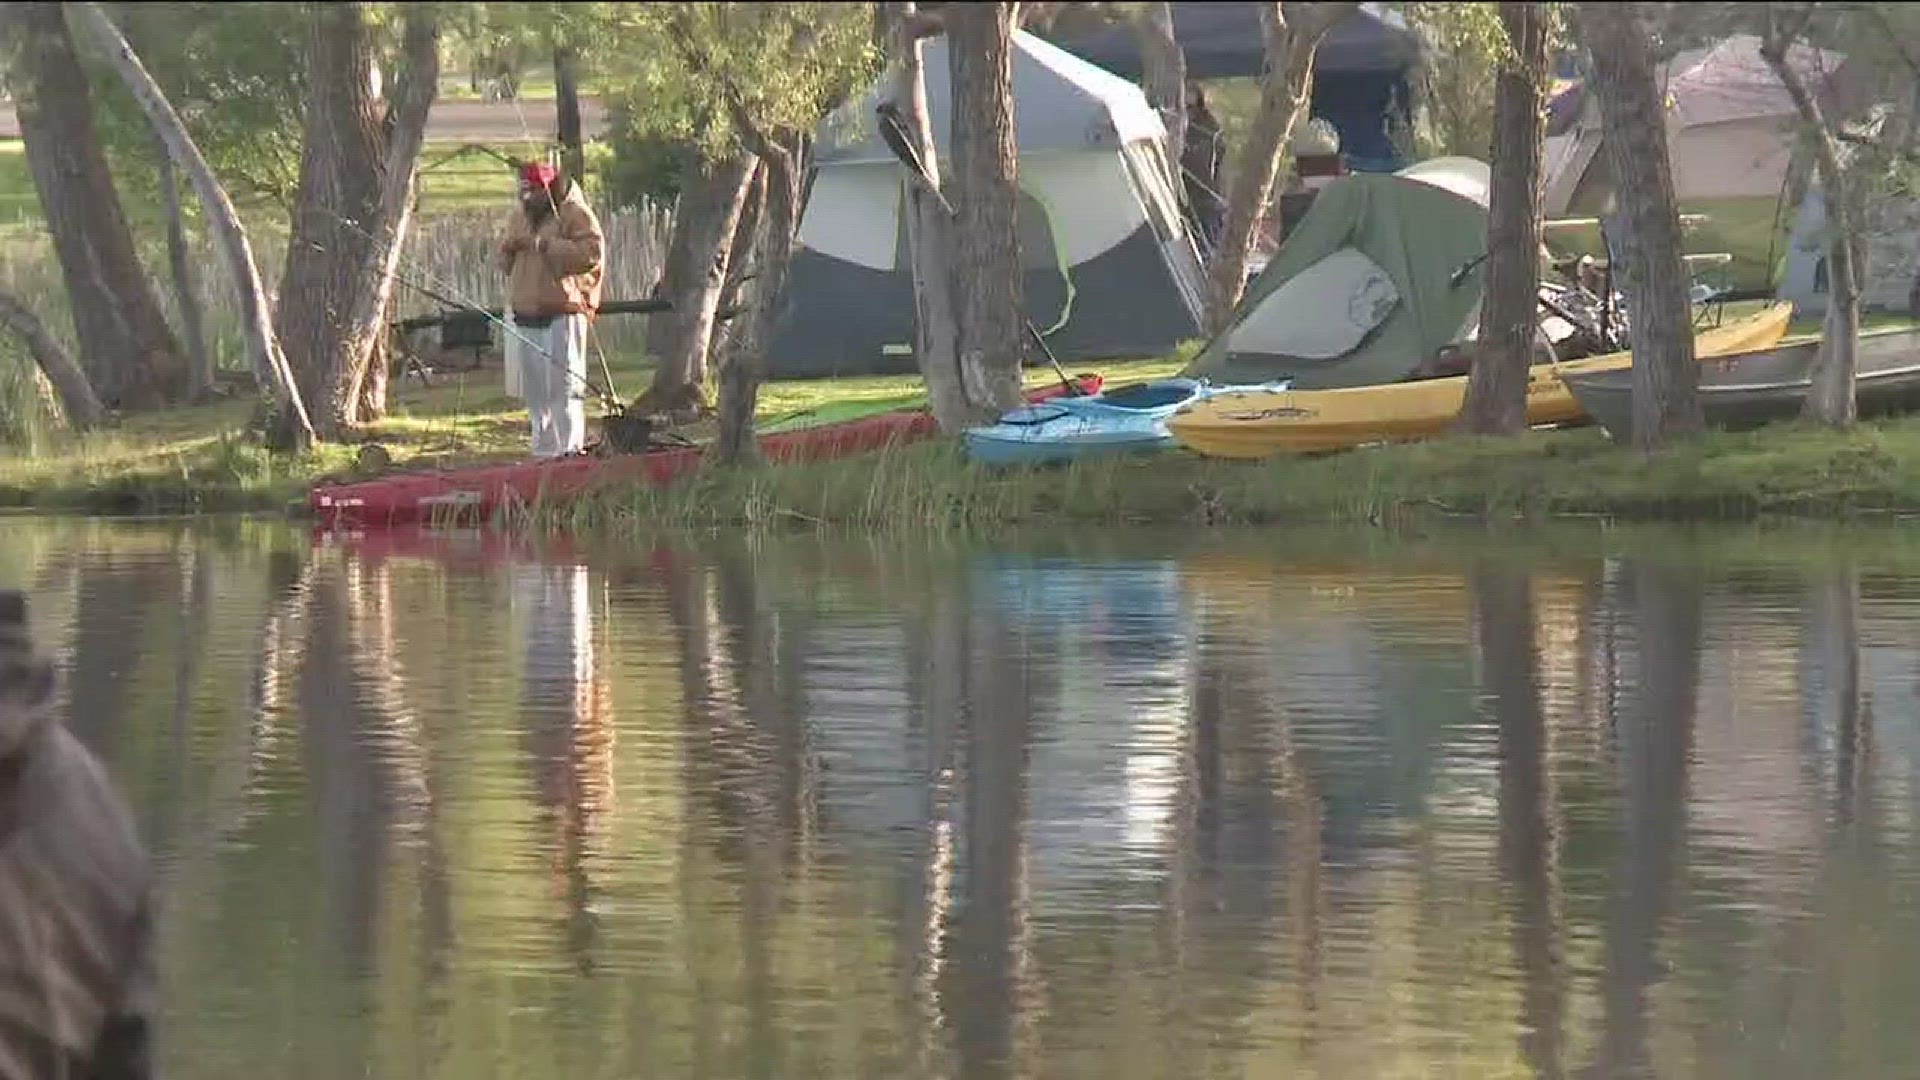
(687, 72)
(236, 77)
(1467, 50)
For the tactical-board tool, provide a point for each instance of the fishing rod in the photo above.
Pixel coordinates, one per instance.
(603, 396)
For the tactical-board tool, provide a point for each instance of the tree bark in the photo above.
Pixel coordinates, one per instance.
(985, 255)
(745, 368)
(330, 249)
(263, 348)
(1292, 31)
(1496, 402)
(1163, 75)
(186, 289)
(698, 260)
(1830, 400)
(125, 343)
(936, 331)
(566, 100)
(1666, 405)
(360, 388)
(69, 379)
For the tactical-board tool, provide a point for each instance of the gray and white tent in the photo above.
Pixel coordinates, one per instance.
(1110, 268)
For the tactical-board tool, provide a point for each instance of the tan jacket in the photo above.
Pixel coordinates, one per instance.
(76, 934)
(560, 270)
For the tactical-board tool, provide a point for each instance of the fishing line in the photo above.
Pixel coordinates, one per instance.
(457, 300)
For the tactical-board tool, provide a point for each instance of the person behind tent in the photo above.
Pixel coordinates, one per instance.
(1200, 161)
(76, 890)
(554, 259)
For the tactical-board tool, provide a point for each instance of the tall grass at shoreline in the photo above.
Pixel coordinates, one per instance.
(931, 488)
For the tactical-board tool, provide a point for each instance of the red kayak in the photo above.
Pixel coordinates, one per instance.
(477, 493)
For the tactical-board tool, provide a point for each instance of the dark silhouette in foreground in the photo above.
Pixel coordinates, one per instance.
(76, 959)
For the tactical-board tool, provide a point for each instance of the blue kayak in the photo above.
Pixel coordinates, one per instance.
(1125, 420)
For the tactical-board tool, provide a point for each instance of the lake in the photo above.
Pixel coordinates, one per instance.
(1594, 802)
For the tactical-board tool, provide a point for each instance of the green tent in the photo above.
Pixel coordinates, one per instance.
(1365, 287)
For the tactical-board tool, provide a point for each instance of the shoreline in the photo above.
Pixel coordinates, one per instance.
(1788, 470)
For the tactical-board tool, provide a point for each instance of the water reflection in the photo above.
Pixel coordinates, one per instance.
(461, 806)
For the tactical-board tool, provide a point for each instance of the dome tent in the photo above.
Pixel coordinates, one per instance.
(1109, 269)
(1383, 271)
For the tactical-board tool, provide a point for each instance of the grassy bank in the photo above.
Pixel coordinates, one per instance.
(195, 458)
(1787, 469)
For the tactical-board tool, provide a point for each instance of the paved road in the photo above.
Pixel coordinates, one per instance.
(458, 121)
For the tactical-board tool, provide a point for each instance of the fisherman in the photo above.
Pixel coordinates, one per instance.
(76, 891)
(554, 259)
(1200, 161)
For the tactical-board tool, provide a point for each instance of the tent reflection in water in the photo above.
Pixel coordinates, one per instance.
(1383, 272)
(1110, 269)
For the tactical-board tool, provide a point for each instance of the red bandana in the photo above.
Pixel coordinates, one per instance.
(538, 173)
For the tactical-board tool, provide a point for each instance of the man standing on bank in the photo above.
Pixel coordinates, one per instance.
(554, 259)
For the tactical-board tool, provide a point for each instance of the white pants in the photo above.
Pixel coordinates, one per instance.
(551, 369)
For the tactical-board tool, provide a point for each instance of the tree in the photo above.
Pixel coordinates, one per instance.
(351, 210)
(706, 72)
(1469, 49)
(985, 253)
(270, 367)
(566, 104)
(1633, 126)
(1496, 402)
(77, 399)
(1830, 399)
(1292, 33)
(237, 79)
(700, 254)
(186, 290)
(936, 331)
(125, 344)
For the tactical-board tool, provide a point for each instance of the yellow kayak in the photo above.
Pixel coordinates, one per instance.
(1256, 423)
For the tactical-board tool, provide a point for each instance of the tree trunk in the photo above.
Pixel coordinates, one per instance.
(566, 101)
(936, 332)
(263, 349)
(69, 379)
(1633, 126)
(360, 387)
(698, 259)
(1496, 402)
(186, 289)
(125, 342)
(985, 255)
(1163, 75)
(745, 369)
(1830, 400)
(351, 210)
(330, 249)
(1293, 32)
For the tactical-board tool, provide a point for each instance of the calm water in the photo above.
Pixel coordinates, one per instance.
(452, 809)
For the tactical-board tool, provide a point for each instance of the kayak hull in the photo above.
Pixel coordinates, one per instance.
(486, 492)
(1254, 424)
(1129, 420)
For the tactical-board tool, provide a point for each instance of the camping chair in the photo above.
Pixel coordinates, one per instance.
(1711, 277)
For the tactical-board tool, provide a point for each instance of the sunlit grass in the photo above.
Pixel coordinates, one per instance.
(1787, 468)
(196, 458)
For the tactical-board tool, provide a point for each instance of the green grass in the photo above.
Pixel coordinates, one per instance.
(1787, 469)
(18, 201)
(196, 459)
